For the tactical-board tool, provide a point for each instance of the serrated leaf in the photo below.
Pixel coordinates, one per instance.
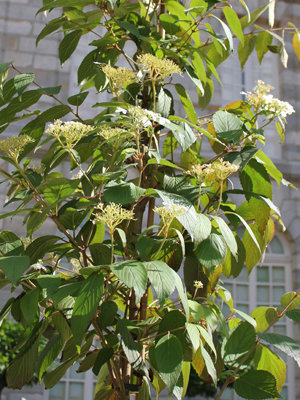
(77, 99)
(290, 301)
(49, 354)
(14, 266)
(202, 228)
(68, 45)
(133, 274)
(227, 235)
(186, 102)
(21, 82)
(294, 315)
(107, 314)
(234, 23)
(29, 306)
(161, 278)
(130, 348)
(211, 252)
(122, 193)
(164, 104)
(284, 344)
(256, 385)
(228, 126)
(246, 50)
(168, 358)
(86, 304)
(266, 360)
(264, 317)
(103, 356)
(240, 341)
(53, 377)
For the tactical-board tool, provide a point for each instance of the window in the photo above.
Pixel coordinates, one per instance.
(73, 386)
(264, 287)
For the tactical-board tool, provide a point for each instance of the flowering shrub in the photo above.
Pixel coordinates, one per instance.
(145, 206)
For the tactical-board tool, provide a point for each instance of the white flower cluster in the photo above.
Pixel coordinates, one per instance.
(261, 100)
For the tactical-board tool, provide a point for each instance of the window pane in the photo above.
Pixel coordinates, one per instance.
(263, 294)
(242, 292)
(276, 246)
(76, 391)
(228, 286)
(279, 329)
(58, 392)
(243, 307)
(278, 291)
(278, 274)
(243, 276)
(263, 274)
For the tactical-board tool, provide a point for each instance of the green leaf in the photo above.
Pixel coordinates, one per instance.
(240, 341)
(40, 246)
(264, 317)
(266, 360)
(130, 348)
(242, 157)
(181, 130)
(77, 99)
(227, 32)
(88, 361)
(164, 104)
(211, 252)
(122, 193)
(103, 356)
(209, 364)
(21, 370)
(14, 266)
(168, 358)
(194, 335)
(60, 188)
(21, 82)
(49, 354)
(29, 306)
(144, 392)
(263, 41)
(202, 228)
(284, 344)
(86, 304)
(246, 21)
(133, 274)
(169, 23)
(227, 235)
(68, 45)
(294, 315)
(228, 127)
(194, 78)
(290, 300)
(188, 218)
(161, 278)
(53, 377)
(50, 283)
(186, 102)
(107, 314)
(234, 23)
(246, 50)
(256, 385)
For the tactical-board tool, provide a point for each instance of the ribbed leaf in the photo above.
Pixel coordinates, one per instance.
(168, 358)
(133, 274)
(14, 266)
(284, 344)
(86, 304)
(161, 278)
(68, 45)
(256, 385)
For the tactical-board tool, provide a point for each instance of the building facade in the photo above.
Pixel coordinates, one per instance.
(280, 270)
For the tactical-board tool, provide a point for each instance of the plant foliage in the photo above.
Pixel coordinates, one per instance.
(144, 205)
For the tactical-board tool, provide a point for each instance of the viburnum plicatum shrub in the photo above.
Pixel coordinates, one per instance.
(143, 205)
